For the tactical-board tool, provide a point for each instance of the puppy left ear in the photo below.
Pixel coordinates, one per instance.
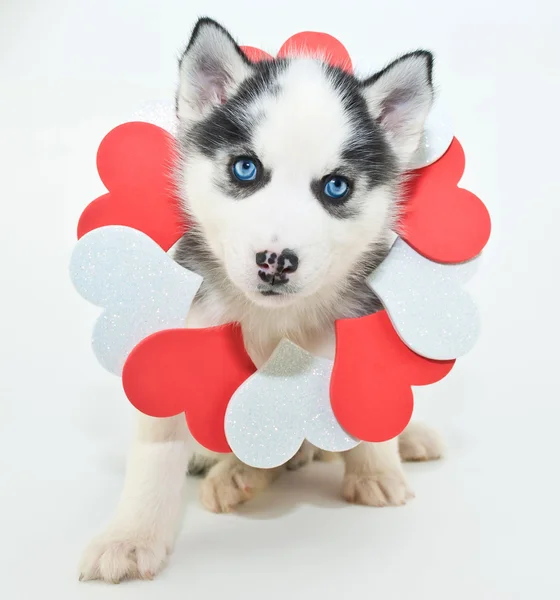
(399, 98)
(210, 70)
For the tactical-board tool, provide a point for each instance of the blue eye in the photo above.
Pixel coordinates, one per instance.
(336, 188)
(245, 169)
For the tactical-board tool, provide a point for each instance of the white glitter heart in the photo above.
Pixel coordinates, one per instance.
(436, 139)
(284, 402)
(141, 288)
(158, 113)
(425, 301)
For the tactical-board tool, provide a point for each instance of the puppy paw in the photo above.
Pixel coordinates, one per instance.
(231, 483)
(419, 443)
(377, 489)
(123, 554)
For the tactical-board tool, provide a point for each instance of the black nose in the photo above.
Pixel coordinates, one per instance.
(275, 268)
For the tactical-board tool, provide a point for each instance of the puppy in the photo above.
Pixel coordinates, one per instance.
(289, 172)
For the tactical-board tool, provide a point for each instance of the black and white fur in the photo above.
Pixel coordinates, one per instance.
(302, 121)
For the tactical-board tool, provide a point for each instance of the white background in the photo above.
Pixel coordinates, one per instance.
(485, 522)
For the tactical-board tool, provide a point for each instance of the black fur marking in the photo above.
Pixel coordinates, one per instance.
(366, 156)
(221, 131)
(228, 129)
(367, 151)
(228, 126)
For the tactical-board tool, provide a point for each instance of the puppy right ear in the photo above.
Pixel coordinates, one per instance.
(399, 98)
(210, 70)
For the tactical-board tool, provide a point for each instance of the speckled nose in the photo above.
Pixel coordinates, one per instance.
(274, 268)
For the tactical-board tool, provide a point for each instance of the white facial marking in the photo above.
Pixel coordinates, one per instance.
(299, 138)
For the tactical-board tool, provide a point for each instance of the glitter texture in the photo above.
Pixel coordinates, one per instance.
(286, 401)
(158, 113)
(141, 288)
(436, 139)
(425, 301)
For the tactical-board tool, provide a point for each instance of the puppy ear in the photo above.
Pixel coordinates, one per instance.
(210, 70)
(399, 98)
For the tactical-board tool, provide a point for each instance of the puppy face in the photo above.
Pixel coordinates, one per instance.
(290, 167)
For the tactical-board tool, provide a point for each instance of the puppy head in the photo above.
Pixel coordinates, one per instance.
(289, 168)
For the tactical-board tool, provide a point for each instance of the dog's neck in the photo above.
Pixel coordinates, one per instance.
(300, 321)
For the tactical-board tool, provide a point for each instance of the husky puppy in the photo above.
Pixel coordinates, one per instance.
(289, 173)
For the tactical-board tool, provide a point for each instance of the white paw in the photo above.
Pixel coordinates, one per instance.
(387, 488)
(231, 483)
(123, 554)
(419, 442)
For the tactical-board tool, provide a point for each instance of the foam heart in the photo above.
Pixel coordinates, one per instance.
(373, 372)
(285, 402)
(426, 303)
(160, 113)
(317, 45)
(141, 289)
(442, 222)
(195, 371)
(135, 162)
(255, 54)
(436, 139)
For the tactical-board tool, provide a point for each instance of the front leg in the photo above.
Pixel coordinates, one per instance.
(374, 475)
(142, 532)
(373, 472)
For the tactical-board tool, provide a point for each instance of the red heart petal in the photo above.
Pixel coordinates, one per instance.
(135, 154)
(255, 54)
(318, 45)
(371, 381)
(442, 222)
(449, 168)
(195, 371)
(447, 226)
(135, 162)
(381, 410)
